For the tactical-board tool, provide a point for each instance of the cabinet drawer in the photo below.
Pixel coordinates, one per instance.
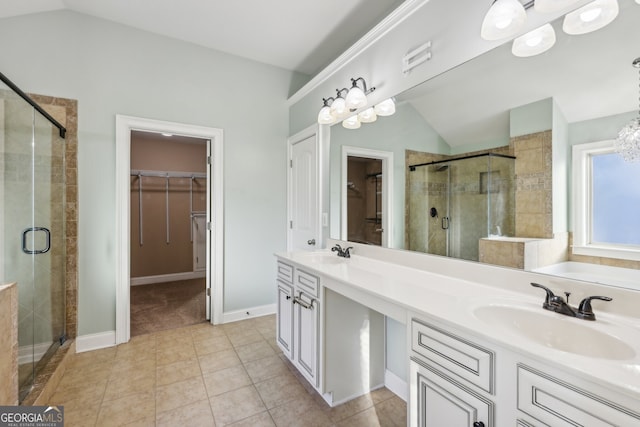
(285, 272)
(557, 403)
(307, 282)
(458, 356)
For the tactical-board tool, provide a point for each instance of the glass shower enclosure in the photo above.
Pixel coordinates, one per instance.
(454, 203)
(32, 226)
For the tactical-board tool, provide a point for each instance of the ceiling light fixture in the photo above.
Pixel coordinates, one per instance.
(385, 108)
(504, 19)
(590, 17)
(548, 6)
(627, 144)
(534, 42)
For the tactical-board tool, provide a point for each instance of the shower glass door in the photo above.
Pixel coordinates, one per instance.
(31, 230)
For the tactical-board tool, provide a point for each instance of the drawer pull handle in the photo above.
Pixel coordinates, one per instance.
(303, 304)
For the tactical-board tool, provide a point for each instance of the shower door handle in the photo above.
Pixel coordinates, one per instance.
(445, 222)
(47, 246)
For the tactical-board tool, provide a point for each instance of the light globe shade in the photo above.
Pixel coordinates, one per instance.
(504, 19)
(590, 17)
(385, 108)
(534, 42)
(325, 117)
(355, 98)
(351, 122)
(548, 6)
(339, 109)
(367, 116)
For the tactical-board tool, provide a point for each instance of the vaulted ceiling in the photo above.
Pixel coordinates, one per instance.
(300, 35)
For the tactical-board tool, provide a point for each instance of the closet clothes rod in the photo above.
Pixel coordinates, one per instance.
(168, 174)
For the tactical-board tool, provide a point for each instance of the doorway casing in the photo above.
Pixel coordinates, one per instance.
(387, 189)
(215, 259)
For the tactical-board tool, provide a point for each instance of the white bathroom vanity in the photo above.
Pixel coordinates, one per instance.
(478, 348)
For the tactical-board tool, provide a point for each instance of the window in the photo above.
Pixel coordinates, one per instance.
(606, 202)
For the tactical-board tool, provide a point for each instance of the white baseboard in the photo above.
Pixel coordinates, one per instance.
(162, 278)
(95, 341)
(31, 353)
(234, 316)
(396, 384)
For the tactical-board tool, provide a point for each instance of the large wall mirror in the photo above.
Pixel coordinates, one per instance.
(482, 153)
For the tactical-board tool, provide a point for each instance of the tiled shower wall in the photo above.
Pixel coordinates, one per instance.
(66, 112)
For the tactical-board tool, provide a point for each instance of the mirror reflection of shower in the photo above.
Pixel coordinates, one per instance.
(454, 203)
(364, 200)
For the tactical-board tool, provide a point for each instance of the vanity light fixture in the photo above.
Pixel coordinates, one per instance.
(367, 116)
(385, 108)
(357, 97)
(351, 122)
(339, 108)
(590, 17)
(627, 144)
(504, 19)
(324, 116)
(534, 42)
(548, 6)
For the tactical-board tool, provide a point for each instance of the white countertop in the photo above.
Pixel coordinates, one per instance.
(453, 301)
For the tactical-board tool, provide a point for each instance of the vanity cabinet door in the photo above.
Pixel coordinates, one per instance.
(284, 324)
(307, 316)
(438, 401)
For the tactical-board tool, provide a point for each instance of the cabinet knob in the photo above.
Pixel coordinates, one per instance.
(288, 297)
(478, 424)
(311, 242)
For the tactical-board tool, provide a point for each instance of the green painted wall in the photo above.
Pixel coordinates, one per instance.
(114, 69)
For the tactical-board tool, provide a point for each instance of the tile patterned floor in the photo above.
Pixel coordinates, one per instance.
(205, 375)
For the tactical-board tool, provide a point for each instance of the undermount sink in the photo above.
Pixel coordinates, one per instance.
(322, 258)
(555, 331)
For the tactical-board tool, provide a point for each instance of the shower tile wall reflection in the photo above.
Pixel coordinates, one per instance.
(452, 205)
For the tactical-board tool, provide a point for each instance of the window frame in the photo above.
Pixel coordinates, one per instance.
(582, 205)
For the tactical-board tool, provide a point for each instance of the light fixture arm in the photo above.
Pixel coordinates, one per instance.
(339, 92)
(354, 83)
(326, 102)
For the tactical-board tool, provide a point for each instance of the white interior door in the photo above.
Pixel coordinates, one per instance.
(303, 220)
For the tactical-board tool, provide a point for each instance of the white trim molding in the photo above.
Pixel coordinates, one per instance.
(249, 313)
(95, 341)
(582, 206)
(164, 278)
(396, 384)
(405, 10)
(215, 249)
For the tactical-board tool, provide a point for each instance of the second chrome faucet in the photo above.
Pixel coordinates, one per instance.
(558, 304)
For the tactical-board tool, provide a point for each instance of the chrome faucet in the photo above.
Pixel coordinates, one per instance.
(558, 304)
(344, 253)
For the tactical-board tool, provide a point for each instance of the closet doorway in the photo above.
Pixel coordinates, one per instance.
(168, 231)
(367, 196)
(168, 192)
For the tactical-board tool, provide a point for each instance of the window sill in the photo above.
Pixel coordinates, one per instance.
(607, 252)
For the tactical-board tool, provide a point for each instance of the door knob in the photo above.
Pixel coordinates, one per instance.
(311, 242)
(478, 424)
